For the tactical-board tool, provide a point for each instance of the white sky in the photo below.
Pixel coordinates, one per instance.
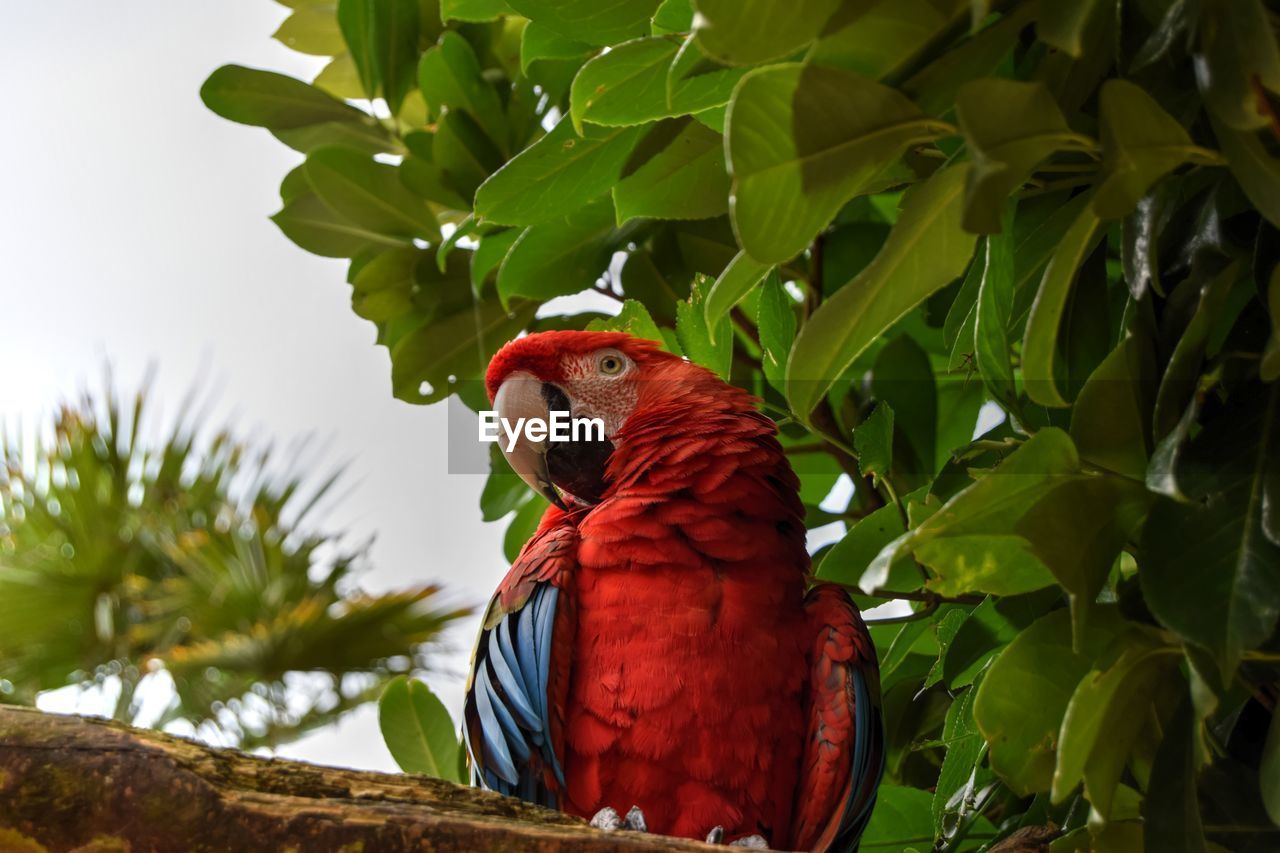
(133, 226)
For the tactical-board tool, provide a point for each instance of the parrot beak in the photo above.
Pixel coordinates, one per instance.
(521, 396)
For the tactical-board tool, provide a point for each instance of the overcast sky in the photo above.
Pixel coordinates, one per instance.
(133, 227)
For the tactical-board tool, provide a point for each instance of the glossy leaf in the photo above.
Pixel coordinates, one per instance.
(1109, 705)
(1171, 809)
(450, 76)
(1111, 420)
(596, 22)
(1209, 565)
(776, 322)
(418, 730)
(709, 344)
(475, 11)
(627, 85)
(369, 193)
(267, 99)
(873, 441)
(1021, 702)
(802, 141)
(746, 32)
(559, 258)
(539, 41)
(634, 319)
(382, 36)
(742, 274)
(1140, 143)
(556, 175)
(1010, 127)
(991, 321)
(685, 179)
(1257, 170)
(926, 250)
(1040, 345)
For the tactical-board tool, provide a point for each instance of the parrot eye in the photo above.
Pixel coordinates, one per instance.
(610, 363)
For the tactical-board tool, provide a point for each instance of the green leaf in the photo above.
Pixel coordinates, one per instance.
(598, 22)
(1257, 171)
(457, 345)
(673, 16)
(355, 18)
(490, 253)
(556, 175)
(903, 377)
(708, 345)
(560, 258)
(1010, 127)
(901, 817)
(312, 31)
(873, 441)
(1182, 373)
(776, 323)
(627, 85)
(696, 83)
(450, 76)
(1141, 143)
(1040, 345)
(965, 749)
(1111, 420)
(1208, 567)
(802, 141)
(1102, 720)
(991, 322)
(522, 527)
(369, 194)
(742, 274)
(634, 319)
(267, 99)
(1171, 809)
(382, 289)
(1064, 25)
(1024, 695)
(541, 42)
(313, 226)
(925, 251)
(1237, 59)
(504, 492)
(990, 627)
(881, 39)
(746, 32)
(849, 558)
(934, 87)
(1035, 517)
(418, 730)
(686, 179)
(473, 11)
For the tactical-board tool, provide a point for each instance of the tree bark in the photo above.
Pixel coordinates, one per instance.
(72, 783)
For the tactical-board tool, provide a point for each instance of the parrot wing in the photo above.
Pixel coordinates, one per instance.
(844, 747)
(513, 720)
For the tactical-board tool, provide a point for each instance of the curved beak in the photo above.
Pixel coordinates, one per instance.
(520, 396)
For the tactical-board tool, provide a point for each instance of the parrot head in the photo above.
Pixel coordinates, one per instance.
(605, 375)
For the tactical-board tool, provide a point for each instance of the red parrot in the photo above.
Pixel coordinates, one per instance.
(657, 644)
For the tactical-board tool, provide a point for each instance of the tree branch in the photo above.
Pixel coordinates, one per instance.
(73, 783)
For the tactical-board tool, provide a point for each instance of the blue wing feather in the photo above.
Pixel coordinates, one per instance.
(507, 723)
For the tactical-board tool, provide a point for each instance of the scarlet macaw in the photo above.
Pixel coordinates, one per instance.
(656, 644)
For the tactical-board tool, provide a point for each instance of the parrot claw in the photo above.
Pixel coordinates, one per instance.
(635, 820)
(607, 819)
(754, 842)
